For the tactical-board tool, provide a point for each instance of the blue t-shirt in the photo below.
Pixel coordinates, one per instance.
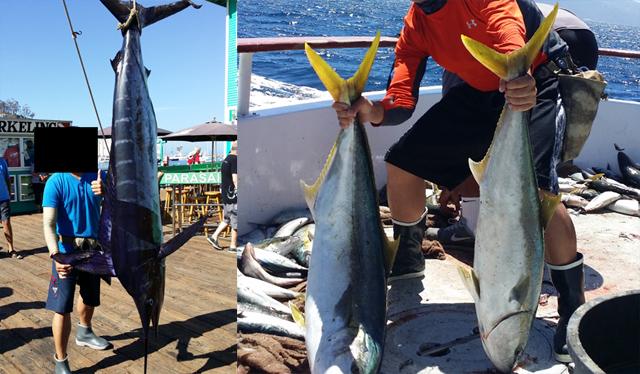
(78, 209)
(4, 176)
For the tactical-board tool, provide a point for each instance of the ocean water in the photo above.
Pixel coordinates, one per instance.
(273, 18)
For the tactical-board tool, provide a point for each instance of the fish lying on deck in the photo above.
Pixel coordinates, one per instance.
(272, 290)
(346, 292)
(250, 266)
(252, 322)
(130, 224)
(509, 247)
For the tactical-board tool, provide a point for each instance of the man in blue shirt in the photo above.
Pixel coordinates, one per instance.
(5, 207)
(71, 215)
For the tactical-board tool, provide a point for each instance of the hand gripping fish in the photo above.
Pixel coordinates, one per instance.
(346, 290)
(509, 248)
(130, 225)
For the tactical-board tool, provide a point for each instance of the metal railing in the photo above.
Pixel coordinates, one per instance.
(248, 46)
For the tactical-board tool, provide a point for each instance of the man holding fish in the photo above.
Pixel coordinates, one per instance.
(461, 126)
(71, 214)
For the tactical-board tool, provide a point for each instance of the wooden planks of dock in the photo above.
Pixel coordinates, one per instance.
(197, 325)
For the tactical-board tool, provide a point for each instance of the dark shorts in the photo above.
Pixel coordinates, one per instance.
(231, 215)
(461, 126)
(5, 210)
(62, 290)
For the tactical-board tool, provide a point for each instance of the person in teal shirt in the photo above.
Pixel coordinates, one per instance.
(71, 215)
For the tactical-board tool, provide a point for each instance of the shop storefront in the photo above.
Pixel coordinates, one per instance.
(16, 147)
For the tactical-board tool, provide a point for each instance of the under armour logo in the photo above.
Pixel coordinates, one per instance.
(472, 23)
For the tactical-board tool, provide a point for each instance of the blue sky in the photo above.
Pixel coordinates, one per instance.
(39, 65)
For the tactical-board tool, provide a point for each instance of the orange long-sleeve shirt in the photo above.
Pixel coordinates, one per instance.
(496, 23)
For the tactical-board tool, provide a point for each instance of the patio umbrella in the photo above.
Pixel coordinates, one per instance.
(212, 130)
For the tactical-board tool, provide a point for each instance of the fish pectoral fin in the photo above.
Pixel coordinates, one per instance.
(297, 314)
(179, 240)
(548, 207)
(504, 64)
(390, 250)
(311, 191)
(470, 280)
(478, 168)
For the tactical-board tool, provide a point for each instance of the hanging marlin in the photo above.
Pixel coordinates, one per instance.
(130, 224)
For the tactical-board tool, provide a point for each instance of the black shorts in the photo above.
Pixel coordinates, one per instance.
(62, 290)
(461, 126)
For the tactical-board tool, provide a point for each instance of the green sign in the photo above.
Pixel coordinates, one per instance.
(191, 178)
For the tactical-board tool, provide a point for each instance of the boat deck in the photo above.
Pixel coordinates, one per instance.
(197, 331)
(438, 310)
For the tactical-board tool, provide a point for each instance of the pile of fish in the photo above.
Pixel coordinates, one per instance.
(268, 271)
(598, 189)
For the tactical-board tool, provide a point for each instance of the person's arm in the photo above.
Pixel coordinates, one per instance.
(49, 216)
(234, 173)
(408, 69)
(402, 94)
(96, 185)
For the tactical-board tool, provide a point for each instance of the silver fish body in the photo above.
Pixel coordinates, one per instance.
(345, 310)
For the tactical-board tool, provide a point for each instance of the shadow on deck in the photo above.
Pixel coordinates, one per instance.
(197, 330)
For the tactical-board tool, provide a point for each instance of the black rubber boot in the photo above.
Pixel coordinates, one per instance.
(569, 282)
(409, 261)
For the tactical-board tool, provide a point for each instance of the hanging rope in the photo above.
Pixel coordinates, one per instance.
(133, 13)
(74, 34)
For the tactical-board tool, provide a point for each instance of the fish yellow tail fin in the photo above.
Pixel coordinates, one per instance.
(516, 63)
(341, 90)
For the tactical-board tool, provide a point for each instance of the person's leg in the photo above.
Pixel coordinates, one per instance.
(85, 312)
(87, 302)
(436, 148)
(233, 221)
(8, 234)
(61, 328)
(213, 239)
(5, 216)
(405, 192)
(60, 302)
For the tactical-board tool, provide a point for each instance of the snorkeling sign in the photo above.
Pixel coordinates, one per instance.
(212, 177)
(27, 125)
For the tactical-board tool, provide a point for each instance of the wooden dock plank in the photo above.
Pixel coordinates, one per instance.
(197, 331)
